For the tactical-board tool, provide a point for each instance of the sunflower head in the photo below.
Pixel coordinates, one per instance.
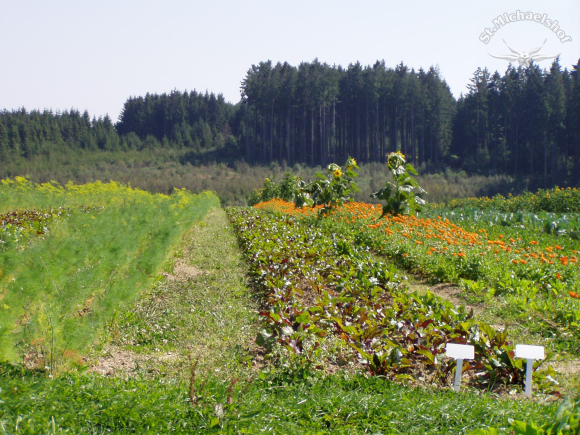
(337, 173)
(395, 160)
(351, 163)
(333, 167)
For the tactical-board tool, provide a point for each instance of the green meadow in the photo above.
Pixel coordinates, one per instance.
(58, 288)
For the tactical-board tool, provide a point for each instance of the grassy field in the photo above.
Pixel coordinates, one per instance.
(263, 319)
(59, 287)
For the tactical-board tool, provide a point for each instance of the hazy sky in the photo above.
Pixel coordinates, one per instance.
(94, 55)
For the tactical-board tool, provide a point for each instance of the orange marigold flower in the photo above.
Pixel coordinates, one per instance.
(512, 240)
(523, 261)
(549, 249)
(573, 259)
(573, 294)
(558, 275)
(429, 253)
(558, 247)
(515, 261)
(496, 251)
(564, 261)
(500, 236)
(534, 242)
(404, 255)
(551, 255)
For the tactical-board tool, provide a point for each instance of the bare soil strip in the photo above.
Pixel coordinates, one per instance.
(201, 309)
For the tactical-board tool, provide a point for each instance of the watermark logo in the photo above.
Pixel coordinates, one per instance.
(524, 57)
(506, 18)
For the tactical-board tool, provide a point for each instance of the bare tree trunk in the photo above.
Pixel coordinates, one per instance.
(271, 132)
(248, 156)
(312, 138)
(321, 129)
(517, 157)
(477, 139)
(333, 144)
(376, 151)
(358, 153)
(532, 158)
(413, 150)
(288, 136)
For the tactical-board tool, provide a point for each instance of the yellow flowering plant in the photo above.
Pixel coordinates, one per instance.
(401, 196)
(330, 190)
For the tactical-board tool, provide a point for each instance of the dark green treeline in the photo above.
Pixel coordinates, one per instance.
(316, 113)
(525, 122)
(197, 122)
(32, 133)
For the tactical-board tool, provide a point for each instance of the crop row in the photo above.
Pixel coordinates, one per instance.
(558, 224)
(556, 200)
(318, 285)
(106, 248)
(537, 274)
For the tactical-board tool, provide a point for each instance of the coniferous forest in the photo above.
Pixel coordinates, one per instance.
(525, 123)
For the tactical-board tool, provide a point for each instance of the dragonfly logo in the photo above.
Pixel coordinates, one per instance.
(524, 58)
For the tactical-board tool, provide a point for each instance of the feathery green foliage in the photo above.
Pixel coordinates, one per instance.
(58, 289)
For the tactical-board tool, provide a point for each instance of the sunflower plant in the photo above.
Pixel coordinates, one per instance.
(404, 195)
(331, 189)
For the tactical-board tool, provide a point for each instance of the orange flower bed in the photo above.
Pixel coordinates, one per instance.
(431, 235)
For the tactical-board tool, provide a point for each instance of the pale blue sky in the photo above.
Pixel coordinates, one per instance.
(62, 54)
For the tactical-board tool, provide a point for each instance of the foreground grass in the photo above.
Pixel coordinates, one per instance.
(279, 403)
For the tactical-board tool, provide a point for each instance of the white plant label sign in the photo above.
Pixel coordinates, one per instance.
(459, 352)
(530, 353)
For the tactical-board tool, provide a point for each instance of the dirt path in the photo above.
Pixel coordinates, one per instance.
(449, 292)
(200, 310)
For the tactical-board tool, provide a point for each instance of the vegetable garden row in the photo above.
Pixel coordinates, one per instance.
(321, 283)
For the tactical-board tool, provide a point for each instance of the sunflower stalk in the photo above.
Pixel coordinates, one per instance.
(330, 190)
(405, 196)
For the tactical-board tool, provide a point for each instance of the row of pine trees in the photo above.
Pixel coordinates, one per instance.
(316, 113)
(525, 122)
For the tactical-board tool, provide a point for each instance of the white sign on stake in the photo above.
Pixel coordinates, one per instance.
(459, 352)
(530, 353)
